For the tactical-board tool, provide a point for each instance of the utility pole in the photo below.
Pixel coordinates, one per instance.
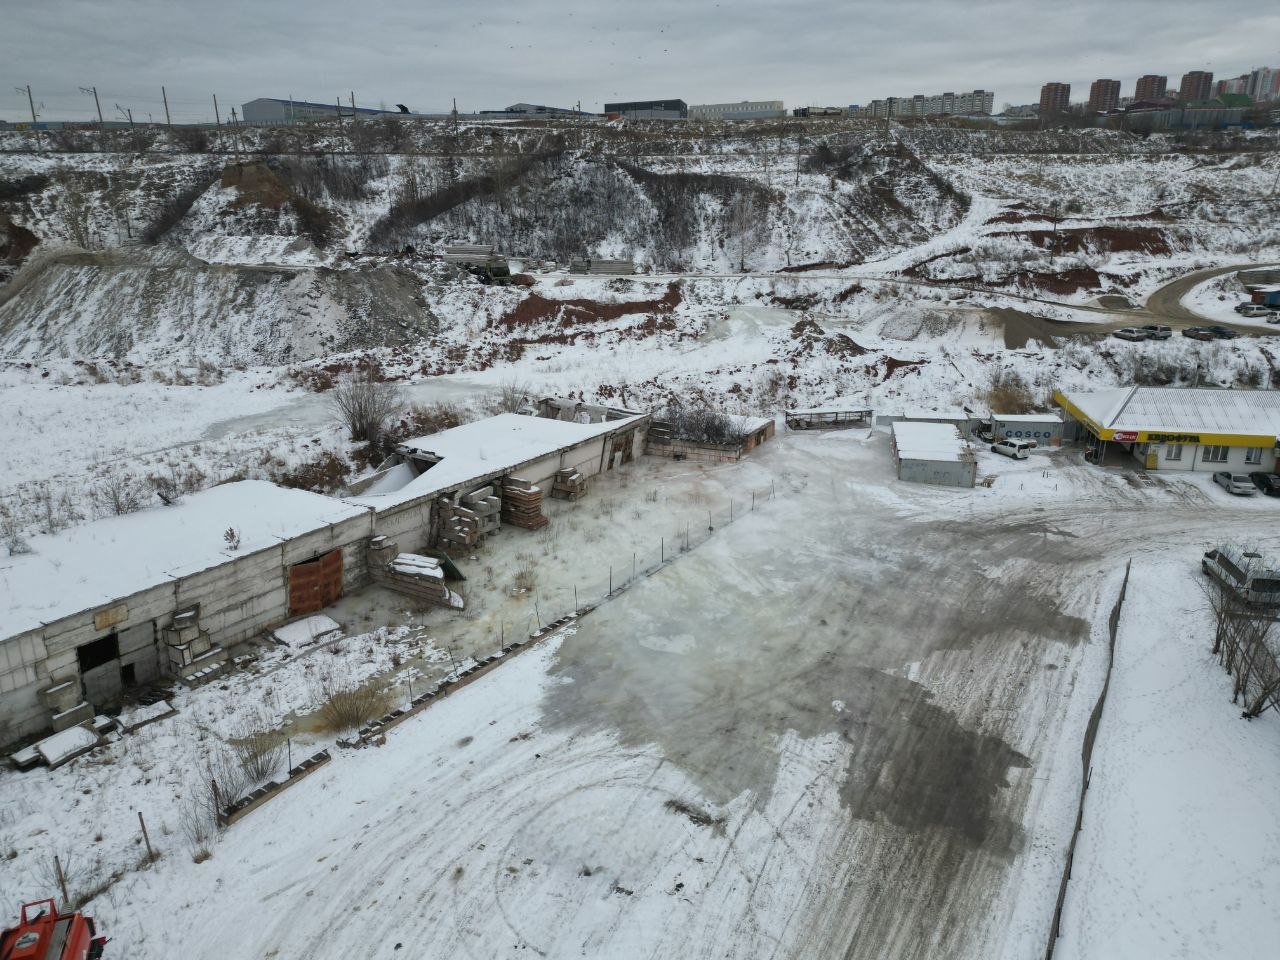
(165, 97)
(338, 103)
(32, 104)
(217, 118)
(797, 160)
(96, 103)
(235, 142)
(354, 118)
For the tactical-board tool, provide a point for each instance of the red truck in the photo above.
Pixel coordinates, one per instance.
(43, 933)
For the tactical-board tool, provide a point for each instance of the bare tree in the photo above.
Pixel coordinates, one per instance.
(365, 404)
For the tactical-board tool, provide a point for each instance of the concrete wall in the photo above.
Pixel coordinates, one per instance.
(941, 473)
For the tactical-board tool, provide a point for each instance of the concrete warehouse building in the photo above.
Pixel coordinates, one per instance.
(743, 110)
(106, 606)
(933, 453)
(1178, 428)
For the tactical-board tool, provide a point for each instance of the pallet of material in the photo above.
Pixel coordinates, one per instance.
(522, 504)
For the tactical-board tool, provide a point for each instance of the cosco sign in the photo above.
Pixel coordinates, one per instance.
(1025, 434)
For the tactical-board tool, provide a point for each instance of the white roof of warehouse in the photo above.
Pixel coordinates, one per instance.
(1028, 417)
(485, 447)
(1181, 409)
(930, 441)
(97, 563)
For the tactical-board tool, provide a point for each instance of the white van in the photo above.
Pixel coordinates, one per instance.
(1017, 449)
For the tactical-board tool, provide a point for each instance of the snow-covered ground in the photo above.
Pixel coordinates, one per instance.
(1177, 855)
(708, 764)
(1217, 299)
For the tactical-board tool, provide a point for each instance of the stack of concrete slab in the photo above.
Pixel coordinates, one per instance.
(410, 573)
(622, 268)
(470, 254)
(459, 525)
(569, 484)
(65, 701)
(522, 504)
(191, 654)
(487, 507)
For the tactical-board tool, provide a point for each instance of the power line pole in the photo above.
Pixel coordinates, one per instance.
(165, 97)
(32, 104)
(217, 118)
(353, 107)
(235, 142)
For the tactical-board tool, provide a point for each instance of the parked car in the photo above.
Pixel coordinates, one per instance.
(1223, 333)
(1156, 331)
(1244, 573)
(1252, 310)
(1237, 483)
(1017, 449)
(1130, 333)
(1199, 333)
(1268, 483)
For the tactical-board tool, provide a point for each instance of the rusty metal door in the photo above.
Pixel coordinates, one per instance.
(314, 584)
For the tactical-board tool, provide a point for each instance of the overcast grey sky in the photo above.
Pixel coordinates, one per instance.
(495, 53)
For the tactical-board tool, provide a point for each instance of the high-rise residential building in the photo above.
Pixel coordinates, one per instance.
(1055, 98)
(1104, 96)
(1263, 83)
(1151, 88)
(1196, 86)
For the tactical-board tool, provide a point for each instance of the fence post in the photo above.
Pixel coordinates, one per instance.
(151, 855)
(753, 499)
(575, 598)
(731, 510)
(62, 881)
(662, 550)
(611, 579)
(288, 741)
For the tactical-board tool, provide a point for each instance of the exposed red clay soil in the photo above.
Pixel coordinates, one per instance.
(1102, 239)
(892, 365)
(535, 309)
(1063, 281)
(848, 292)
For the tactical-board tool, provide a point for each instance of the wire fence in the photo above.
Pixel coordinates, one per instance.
(669, 543)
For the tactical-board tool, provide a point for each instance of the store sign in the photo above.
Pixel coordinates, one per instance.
(1125, 436)
(1173, 438)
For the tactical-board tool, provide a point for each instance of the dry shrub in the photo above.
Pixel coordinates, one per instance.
(345, 705)
(258, 748)
(365, 404)
(424, 419)
(700, 424)
(325, 474)
(118, 494)
(1010, 393)
(526, 573)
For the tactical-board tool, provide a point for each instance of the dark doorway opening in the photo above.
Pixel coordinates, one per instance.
(98, 652)
(128, 676)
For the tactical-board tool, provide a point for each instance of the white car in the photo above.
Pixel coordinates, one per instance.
(1017, 449)
(1252, 310)
(1241, 484)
